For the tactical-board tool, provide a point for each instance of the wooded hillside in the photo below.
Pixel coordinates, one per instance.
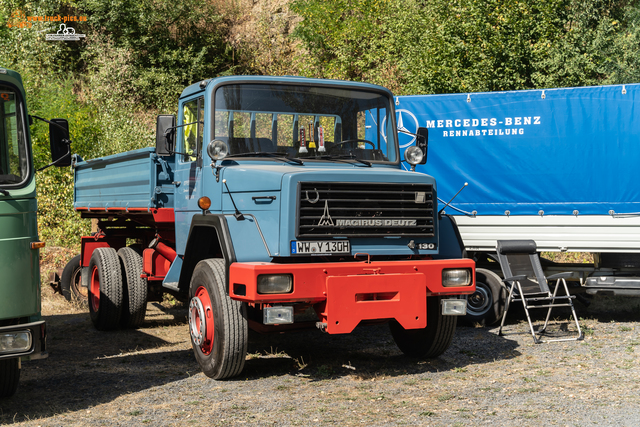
(138, 55)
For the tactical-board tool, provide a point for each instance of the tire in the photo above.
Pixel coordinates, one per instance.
(71, 282)
(134, 295)
(486, 305)
(9, 377)
(431, 341)
(105, 289)
(220, 341)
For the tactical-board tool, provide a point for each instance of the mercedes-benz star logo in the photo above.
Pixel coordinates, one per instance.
(407, 122)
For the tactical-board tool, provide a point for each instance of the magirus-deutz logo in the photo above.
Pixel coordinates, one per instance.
(327, 221)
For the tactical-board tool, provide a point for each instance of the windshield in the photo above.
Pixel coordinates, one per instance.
(305, 122)
(14, 161)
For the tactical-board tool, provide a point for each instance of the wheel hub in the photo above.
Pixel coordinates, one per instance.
(480, 301)
(197, 322)
(95, 290)
(201, 325)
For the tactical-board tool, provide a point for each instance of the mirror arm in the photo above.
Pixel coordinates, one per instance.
(172, 128)
(52, 123)
(412, 134)
(55, 162)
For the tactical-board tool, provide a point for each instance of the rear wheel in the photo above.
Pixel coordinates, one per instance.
(71, 283)
(431, 341)
(217, 324)
(134, 298)
(486, 304)
(9, 376)
(105, 289)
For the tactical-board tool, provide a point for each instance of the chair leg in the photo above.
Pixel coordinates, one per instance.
(546, 322)
(573, 312)
(525, 304)
(506, 307)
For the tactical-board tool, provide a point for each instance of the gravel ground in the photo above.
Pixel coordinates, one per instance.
(149, 376)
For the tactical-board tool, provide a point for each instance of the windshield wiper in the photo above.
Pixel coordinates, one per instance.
(344, 157)
(276, 156)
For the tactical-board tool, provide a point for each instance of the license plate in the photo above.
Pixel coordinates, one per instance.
(320, 248)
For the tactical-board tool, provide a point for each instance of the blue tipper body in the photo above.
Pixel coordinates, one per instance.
(554, 150)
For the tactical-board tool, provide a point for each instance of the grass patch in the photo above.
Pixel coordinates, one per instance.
(445, 397)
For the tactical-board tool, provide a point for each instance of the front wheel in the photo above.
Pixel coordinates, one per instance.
(431, 341)
(9, 377)
(486, 304)
(217, 324)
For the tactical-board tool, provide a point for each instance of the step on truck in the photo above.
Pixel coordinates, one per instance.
(273, 203)
(22, 331)
(553, 165)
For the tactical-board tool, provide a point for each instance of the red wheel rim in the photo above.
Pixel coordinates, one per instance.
(207, 344)
(95, 290)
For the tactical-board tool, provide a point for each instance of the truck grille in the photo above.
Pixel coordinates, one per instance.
(365, 209)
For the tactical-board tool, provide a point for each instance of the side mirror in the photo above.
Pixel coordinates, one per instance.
(422, 142)
(165, 134)
(59, 142)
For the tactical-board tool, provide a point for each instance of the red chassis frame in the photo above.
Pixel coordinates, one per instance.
(344, 294)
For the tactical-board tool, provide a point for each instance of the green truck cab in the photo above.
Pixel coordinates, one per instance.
(22, 330)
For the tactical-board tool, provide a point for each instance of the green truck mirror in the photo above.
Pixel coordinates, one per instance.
(60, 142)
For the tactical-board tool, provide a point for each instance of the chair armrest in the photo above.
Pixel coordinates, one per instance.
(515, 278)
(564, 275)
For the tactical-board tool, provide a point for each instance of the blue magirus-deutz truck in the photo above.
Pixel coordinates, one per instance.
(273, 203)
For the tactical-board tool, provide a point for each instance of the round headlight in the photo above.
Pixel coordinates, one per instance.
(217, 149)
(413, 155)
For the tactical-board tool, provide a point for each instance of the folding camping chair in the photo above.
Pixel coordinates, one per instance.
(522, 270)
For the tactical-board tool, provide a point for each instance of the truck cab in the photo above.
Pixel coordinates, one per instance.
(277, 203)
(22, 330)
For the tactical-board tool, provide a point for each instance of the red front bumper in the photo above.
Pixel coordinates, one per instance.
(355, 291)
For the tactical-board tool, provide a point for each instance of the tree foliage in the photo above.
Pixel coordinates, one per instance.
(138, 55)
(444, 46)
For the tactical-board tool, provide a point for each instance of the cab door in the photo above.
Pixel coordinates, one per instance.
(188, 169)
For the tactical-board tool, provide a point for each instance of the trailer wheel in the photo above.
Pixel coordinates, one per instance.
(431, 341)
(71, 283)
(486, 304)
(105, 289)
(217, 324)
(9, 376)
(134, 298)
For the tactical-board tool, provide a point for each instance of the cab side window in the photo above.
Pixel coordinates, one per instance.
(193, 127)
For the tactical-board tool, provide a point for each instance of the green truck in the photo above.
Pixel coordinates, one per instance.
(22, 330)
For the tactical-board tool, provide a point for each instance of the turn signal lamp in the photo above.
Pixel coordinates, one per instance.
(37, 245)
(204, 203)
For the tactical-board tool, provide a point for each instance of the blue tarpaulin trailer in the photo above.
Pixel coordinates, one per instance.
(554, 165)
